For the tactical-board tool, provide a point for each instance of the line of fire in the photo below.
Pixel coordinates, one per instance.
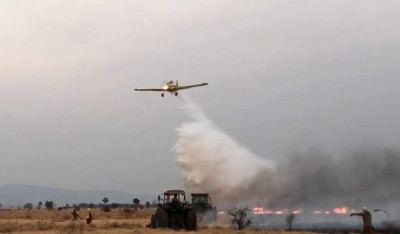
(266, 211)
(338, 211)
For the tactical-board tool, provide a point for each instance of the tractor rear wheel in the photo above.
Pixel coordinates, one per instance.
(190, 220)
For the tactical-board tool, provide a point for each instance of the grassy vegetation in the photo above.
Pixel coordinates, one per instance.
(117, 221)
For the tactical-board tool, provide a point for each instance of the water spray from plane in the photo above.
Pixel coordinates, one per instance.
(213, 161)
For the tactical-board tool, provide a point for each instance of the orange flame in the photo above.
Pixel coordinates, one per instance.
(338, 211)
(262, 210)
(341, 210)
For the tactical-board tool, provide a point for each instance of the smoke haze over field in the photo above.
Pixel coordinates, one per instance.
(364, 177)
(214, 162)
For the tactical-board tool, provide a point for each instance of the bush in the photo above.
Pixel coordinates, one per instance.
(127, 213)
(107, 208)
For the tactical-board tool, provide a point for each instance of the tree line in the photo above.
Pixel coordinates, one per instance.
(103, 205)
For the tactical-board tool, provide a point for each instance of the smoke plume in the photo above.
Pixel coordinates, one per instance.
(365, 177)
(213, 162)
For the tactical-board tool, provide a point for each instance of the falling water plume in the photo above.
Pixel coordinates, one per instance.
(214, 162)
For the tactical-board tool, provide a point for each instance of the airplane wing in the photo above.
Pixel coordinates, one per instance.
(190, 86)
(149, 90)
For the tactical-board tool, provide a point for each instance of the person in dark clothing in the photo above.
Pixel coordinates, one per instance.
(175, 199)
(76, 216)
(367, 220)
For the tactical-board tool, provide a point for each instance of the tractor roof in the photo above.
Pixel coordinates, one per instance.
(174, 191)
(199, 194)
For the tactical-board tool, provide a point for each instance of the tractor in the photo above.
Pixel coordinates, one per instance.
(206, 211)
(174, 212)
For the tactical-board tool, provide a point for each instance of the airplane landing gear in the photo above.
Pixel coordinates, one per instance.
(162, 94)
(176, 94)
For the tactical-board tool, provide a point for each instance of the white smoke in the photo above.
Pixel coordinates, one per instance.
(213, 162)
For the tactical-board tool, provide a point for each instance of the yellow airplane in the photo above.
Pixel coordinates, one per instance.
(172, 88)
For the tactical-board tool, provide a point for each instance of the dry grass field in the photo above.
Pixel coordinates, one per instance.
(117, 221)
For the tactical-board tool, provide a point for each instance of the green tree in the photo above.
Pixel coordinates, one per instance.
(28, 206)
(83, 205)
(106, 207)
(39, 206)
(136, 203)
(49, 205)
(114, 205)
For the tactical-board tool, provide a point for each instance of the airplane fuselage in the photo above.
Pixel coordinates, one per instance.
(172, 88)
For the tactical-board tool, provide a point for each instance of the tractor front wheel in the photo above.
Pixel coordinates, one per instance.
(161, 218)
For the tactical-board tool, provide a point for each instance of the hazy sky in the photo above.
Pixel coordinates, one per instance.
(283, 75)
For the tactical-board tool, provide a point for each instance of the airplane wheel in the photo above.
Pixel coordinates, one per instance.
(162, 95)
(176, 94)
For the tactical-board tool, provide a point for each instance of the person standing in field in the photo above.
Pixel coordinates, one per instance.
(367, 220)
(88, 216)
